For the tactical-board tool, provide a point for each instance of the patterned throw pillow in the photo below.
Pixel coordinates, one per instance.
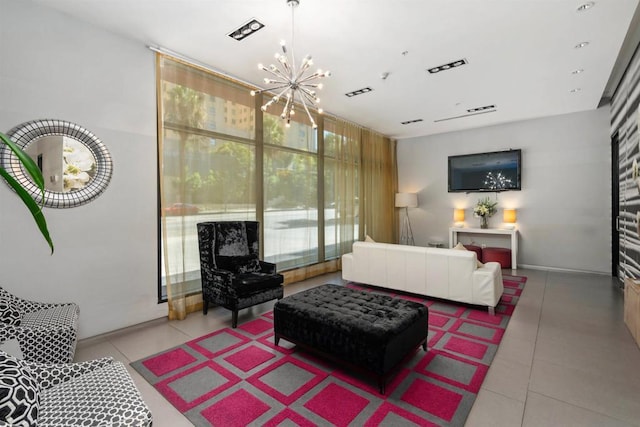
(19, 394)
(460, 247)
(9, 314)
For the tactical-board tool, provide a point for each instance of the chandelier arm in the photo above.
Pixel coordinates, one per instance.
(311, 77)
(287, 68)
(305, 66)
(310, 96)
(286, 85)
(283, 82)
(286, 107)
(276, 73)
(304, 105)
(283, 91)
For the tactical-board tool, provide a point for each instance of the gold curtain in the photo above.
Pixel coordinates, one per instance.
(206, 161)
(378, 184)
(347, 188)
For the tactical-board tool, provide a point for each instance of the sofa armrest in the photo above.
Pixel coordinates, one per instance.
(487, 284)
(347, 267)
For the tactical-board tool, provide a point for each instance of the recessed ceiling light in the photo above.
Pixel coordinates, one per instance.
(483, 108)
(448, 66)
(578, 71)
(581, 45)
(574, 90)
(246, 30)
(408, 122)
(359, 92)
(585, 6)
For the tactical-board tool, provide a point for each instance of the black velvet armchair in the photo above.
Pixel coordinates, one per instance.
(232, 275)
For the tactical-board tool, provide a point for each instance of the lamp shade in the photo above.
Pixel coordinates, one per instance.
(509, 216)
(458, 215)
(406, 200)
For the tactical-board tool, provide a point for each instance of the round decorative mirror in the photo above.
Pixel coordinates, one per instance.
(75, 164)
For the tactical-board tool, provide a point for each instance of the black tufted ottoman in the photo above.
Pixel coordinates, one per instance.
(366, 330)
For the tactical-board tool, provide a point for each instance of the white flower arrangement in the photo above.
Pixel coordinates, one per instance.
(485, 208)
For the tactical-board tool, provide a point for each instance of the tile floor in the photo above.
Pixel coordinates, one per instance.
(566, 359)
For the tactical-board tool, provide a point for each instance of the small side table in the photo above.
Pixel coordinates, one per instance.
(632, 307)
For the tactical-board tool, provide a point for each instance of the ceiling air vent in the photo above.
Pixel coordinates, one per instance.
(246, 30)
(448, 66)
(359, 92)
(481, 110)
(408, 122)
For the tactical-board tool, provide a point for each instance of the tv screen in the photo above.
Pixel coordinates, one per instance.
(495, 171)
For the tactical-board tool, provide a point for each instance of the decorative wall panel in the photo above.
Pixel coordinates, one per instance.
(625, 115)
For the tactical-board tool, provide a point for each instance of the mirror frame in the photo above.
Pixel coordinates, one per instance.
(28, 132)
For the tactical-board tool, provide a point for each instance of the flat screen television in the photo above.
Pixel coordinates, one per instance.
(495, 171)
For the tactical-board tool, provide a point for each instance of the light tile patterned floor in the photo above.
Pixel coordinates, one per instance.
(566, 357)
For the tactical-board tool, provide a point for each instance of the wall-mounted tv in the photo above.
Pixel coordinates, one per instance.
(495, 171)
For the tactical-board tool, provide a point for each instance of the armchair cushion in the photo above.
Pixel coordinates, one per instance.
(8, 314)
(239, 264)
(249, 283)
(55, 317)
(105, 396)
(19, 393)
(46, 332)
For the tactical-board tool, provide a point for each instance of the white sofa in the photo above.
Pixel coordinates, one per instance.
(442, 273)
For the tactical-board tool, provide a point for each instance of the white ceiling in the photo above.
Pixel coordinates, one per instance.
(520, 53)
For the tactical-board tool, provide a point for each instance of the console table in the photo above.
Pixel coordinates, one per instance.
(454, 231)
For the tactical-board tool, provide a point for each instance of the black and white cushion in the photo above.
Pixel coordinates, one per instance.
(105, 396)
(46, 333)
(19, 393)
(94, 393)
(8, 313)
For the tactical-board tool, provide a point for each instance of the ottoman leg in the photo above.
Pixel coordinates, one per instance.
(492, 311)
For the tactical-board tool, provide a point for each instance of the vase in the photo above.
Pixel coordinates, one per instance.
(484, 222)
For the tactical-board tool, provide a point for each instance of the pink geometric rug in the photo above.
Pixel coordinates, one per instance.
(238, 377)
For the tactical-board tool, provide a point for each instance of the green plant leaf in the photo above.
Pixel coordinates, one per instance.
(32, 169)
(33, 207)
(29, 165)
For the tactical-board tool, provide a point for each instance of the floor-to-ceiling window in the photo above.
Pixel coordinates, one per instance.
(221, 158)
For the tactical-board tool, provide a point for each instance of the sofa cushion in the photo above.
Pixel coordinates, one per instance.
(19, 393)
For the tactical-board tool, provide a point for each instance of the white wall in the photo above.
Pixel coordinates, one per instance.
(53, 66)
(564, 208)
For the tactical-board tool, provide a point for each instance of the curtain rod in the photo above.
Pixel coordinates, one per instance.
(195, 62)
(200, 64)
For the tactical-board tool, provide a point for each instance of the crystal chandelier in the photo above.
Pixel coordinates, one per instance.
(295, 84)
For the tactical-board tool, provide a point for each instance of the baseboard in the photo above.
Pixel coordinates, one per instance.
(566, 270)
